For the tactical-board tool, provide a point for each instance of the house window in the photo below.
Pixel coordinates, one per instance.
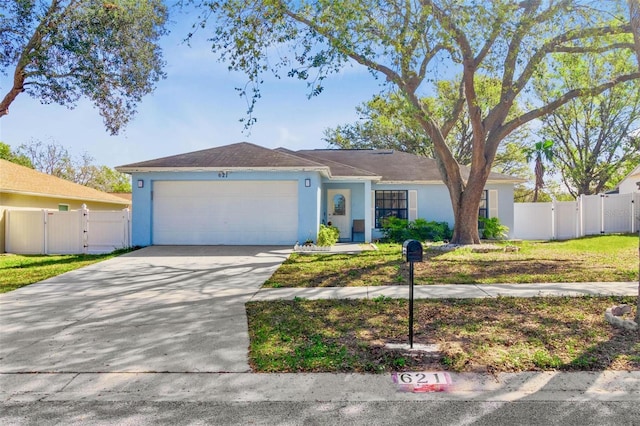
(63, 207)
(484, 205)
(391, 204)
(339, 205)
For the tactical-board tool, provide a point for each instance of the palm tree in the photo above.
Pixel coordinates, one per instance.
(542, 152)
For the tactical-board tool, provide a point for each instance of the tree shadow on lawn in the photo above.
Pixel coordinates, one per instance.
(383, 273)
(55, 260)
(474, 272)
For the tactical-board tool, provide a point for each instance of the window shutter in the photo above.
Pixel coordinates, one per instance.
(413, 205)
(373, 209)
(493, 203)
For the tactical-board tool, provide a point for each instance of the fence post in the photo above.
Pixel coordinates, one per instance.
(126, 226)
(553, 220)
(84, 226)
(633, 214)
(45, 238)
(602, 214)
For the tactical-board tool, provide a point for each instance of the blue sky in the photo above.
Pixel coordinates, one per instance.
(195, 107)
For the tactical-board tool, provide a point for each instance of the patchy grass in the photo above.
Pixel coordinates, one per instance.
(369, 267)
(494, 335)
(20, 270)
(603, 258)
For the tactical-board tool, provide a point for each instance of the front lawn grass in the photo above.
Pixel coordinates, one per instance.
(602, 258)
(20, 270)
(481, 335)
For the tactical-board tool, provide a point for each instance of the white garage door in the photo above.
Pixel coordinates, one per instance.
(225, 212)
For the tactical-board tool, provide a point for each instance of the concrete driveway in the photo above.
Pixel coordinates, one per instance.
(158, 309)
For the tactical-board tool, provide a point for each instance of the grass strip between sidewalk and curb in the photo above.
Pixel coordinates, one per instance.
(506, 334)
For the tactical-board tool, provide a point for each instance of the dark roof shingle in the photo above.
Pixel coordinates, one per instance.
(240, 155)
(387, 165)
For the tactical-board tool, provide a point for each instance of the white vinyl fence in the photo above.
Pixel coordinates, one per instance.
(72, 232)
(589, 215)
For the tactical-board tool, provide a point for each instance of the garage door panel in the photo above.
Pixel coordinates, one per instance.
(231, 212)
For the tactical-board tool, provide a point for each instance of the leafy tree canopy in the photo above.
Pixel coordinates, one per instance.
(592, 136)
(388, 122)
(414, 45)
(54, 159)
(59, 51)
(6, 153)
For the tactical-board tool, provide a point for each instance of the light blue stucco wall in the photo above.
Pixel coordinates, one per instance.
(308, 198)
(433, 200)
(434, 203)
(505, 204)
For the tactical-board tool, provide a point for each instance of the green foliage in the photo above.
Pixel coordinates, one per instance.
(328, 235)
(592, 135)
(105, 51)
(388, 121)
(493, 229)
(510, 46)
(7, 154)
(54, 159)
(398, 230)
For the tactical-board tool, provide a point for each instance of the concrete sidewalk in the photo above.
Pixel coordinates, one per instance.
(169, 324)
(443, 291)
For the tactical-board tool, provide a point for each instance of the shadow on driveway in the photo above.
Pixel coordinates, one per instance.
(158, 309)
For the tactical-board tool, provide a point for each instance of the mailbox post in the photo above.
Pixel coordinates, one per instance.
(411, 252)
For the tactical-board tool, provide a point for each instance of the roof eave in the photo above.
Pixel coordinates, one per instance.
(130, 170)
(122, 202)
(355, 178)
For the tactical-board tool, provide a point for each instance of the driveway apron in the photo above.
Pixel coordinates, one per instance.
(158, 309)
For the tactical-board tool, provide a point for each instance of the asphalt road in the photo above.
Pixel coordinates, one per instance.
(321, 413)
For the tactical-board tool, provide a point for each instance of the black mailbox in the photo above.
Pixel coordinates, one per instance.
(412, 251)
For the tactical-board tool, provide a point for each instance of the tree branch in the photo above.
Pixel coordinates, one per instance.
(572, 94)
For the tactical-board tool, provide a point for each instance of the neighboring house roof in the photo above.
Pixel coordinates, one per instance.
(124, 195)
(375, 164)
(18, 179)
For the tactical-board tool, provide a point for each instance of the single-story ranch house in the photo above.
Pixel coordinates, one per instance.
(246, 194)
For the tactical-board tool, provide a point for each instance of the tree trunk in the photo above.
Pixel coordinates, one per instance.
(465, 230)
(466, 208)
(9, 97)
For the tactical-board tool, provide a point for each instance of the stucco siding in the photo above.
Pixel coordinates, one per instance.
(434, 203)
(629, 185)
(308, 197)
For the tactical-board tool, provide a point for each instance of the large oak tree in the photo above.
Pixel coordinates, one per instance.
(413, 44)
(61, 50)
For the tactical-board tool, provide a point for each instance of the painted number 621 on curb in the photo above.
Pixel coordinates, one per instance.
(422, 378)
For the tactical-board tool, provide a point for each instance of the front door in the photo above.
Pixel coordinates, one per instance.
(339, 211)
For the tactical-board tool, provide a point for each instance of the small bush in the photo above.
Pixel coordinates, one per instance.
(395, 230)
(328, 235)
(398, 230)
(493, 229)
